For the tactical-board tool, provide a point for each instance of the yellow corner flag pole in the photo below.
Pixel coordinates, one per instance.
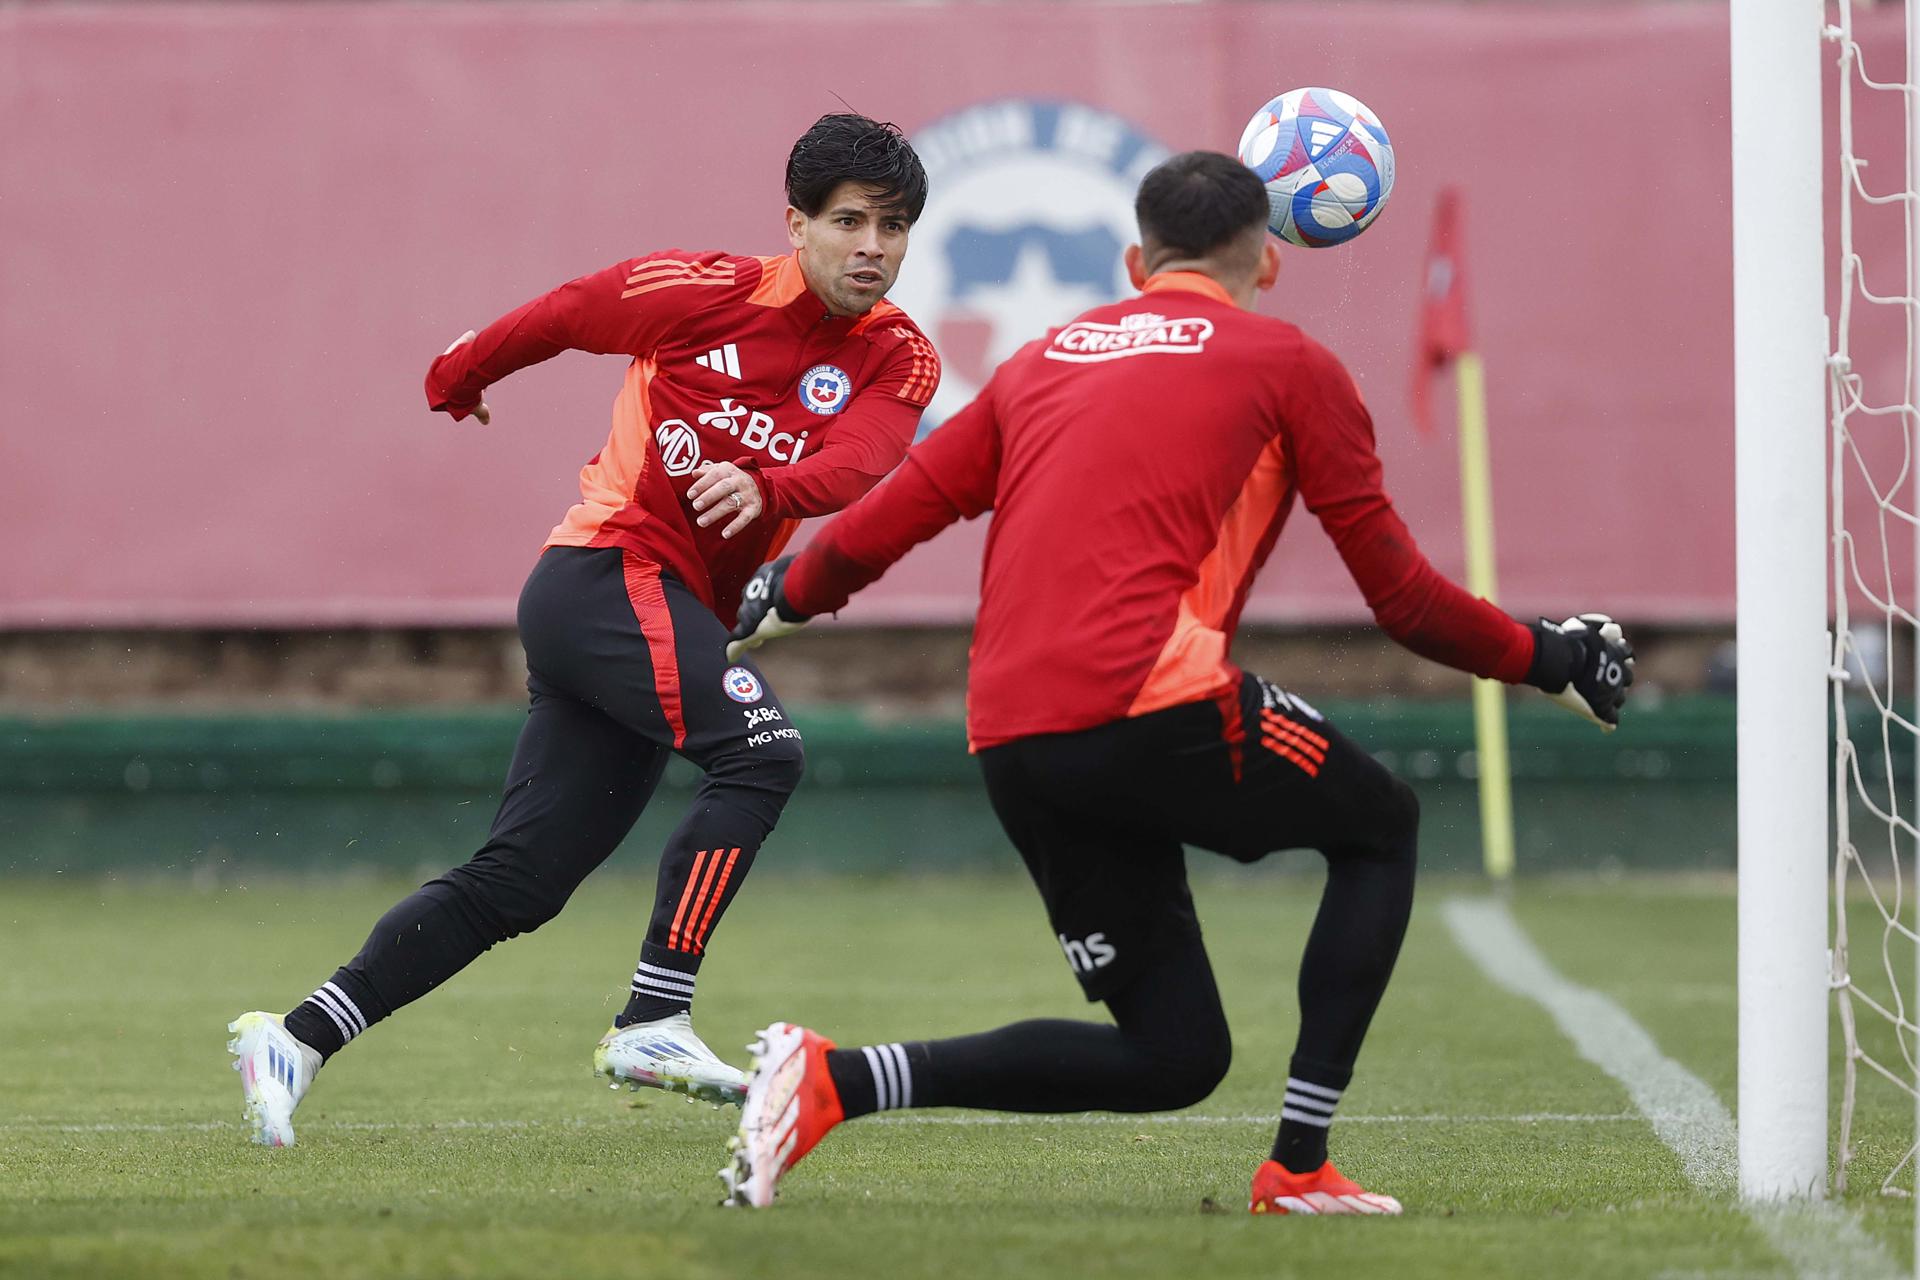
(1489, 698)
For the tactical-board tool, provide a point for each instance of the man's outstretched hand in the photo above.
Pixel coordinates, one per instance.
(764, 612)
(1585, 664)
(478, 409)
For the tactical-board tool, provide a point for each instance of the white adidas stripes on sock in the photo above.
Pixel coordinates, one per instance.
(892, 1077)
(1309, 1103)
(344, 1013)
(661, 983)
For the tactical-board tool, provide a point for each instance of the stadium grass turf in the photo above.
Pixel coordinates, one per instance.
(467, 1137)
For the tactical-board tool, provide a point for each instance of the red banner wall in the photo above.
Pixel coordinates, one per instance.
(231, 238)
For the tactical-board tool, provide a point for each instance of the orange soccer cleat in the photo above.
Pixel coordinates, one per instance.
(1325, 1190)
(790, 1105)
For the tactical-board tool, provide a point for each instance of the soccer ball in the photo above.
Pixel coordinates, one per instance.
(1327, 164)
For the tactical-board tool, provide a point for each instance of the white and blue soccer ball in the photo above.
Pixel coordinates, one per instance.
(1327, 164)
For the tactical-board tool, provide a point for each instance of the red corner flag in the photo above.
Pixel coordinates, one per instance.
(1443, 303)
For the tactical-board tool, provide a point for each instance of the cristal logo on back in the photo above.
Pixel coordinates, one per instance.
(1085, 341)
(1035, 211)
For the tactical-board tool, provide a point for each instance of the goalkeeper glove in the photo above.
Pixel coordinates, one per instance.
(764, 612)
(1585, 664)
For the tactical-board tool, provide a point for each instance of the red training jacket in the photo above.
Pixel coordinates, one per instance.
(1141, 462)
(734, 360)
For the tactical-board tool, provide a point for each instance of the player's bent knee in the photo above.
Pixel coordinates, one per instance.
(1403, 820)
(1193, 1077)
(1209, 1069)
(525, 911)
(768, 761)
(783, 762)
(497, 905)
(1186, 1067)
(531, 912)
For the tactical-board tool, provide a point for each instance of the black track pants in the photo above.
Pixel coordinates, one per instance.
(625, 667)
(1100, 818)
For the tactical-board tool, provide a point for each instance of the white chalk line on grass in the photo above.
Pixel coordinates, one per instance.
(965, 1120)
(1818, 1239)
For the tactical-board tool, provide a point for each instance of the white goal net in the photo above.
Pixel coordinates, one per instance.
(1875, 476)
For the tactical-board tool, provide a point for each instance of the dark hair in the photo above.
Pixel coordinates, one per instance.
(845, 147)
(1199, 201)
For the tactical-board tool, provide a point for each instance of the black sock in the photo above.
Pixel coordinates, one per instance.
(662, 986)
(341, 1009)
(876, 1078)
(1313, 1091)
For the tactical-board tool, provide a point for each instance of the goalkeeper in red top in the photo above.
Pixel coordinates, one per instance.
(1140, 463)
(761, 391)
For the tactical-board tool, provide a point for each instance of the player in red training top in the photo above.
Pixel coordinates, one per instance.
(1140, 463)
(761, 391)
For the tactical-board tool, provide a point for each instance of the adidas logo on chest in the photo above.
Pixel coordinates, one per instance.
(722, 359)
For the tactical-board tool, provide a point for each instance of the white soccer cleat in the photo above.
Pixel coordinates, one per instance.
(276, 1071)
(791, 1104)
(667, 1054)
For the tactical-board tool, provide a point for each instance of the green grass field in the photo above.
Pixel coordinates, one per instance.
(467, 1137)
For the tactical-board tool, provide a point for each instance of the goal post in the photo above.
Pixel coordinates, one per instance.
(1780, 450)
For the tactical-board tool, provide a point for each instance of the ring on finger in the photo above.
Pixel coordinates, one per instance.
(737, 504)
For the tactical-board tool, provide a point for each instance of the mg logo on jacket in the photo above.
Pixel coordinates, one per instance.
(679, 447)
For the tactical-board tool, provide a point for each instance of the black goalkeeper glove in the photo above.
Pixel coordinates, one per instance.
(764, 612)
(1585, 664)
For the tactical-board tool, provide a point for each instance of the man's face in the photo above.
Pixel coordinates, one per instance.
(851, 251)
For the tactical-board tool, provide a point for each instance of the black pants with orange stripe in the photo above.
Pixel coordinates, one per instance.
(626, 667)
(1101, 818)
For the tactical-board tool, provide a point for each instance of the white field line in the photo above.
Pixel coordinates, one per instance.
(1818, 1239)
(963, 1120)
